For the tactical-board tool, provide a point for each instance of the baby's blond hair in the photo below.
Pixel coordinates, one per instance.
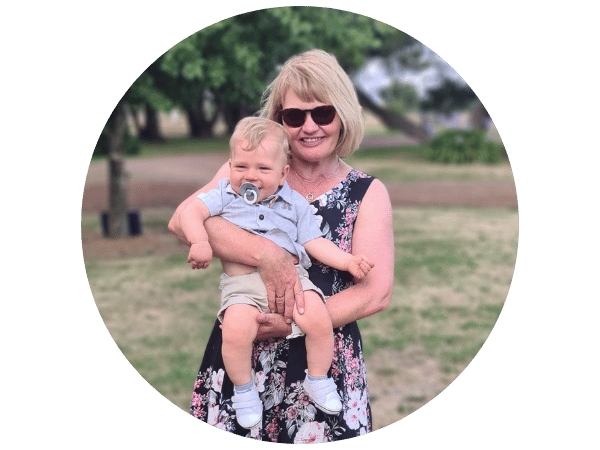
(253, 130)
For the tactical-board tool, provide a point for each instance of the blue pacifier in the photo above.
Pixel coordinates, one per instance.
(250, 192)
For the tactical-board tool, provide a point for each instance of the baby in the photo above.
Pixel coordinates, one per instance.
(257, 198)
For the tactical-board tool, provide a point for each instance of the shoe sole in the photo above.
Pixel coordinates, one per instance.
(251, 426)
(326, 410)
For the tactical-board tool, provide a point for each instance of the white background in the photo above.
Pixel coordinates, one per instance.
(65, 64)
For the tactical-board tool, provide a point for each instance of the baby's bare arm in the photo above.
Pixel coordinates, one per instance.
(330, 254)
(194, 214)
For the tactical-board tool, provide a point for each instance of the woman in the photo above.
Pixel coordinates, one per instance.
(356, 215)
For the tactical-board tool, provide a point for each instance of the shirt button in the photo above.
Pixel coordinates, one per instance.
(261, 217)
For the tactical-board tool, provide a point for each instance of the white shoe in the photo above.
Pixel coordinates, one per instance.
(324, 394)
(296, 332)
(248, 408)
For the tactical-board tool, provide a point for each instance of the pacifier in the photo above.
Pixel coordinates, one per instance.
(250, 193)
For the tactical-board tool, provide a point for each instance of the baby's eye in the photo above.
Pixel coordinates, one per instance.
(265, 169)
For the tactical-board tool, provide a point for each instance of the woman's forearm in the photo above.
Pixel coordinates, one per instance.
(232, 243)
(357, 302)
(275, 265)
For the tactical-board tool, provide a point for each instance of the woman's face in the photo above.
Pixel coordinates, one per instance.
(311, 142)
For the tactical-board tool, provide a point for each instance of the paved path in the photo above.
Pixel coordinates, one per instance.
(167, 180)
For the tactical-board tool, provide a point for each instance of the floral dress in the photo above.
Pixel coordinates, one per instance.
(279, 364)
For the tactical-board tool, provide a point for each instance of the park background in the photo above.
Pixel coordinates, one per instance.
(428, 138)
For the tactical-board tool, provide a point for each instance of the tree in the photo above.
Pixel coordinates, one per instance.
(142, 92)
(450, 95)
(224, 69)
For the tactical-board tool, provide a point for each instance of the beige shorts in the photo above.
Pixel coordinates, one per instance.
(249, 289)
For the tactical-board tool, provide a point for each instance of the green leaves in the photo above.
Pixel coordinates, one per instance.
(463, 146)
(236, 58)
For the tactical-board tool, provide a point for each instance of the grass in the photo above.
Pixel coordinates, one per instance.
(451, 282)
(453, 270)
(404, 164)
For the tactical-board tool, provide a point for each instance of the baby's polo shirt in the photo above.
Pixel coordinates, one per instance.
(285, 217)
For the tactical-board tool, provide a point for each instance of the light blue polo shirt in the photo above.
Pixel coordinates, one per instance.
(285, 217)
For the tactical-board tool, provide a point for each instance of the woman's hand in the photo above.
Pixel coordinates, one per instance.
(272, 325)
(275, 265)
(284, 290)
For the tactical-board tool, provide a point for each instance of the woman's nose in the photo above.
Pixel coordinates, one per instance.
(309, 124)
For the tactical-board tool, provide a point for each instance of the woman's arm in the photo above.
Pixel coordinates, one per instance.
(275, 265)
(373, 237)
(175, 225)
(231, 243)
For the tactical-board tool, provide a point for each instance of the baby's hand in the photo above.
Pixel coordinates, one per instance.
(200, 255)
(359, 266)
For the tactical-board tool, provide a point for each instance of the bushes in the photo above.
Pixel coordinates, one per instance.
(131, 144)
(463, 146)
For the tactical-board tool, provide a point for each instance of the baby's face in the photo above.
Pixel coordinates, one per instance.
(263, 167)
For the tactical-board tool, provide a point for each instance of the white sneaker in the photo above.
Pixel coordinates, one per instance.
(248, 408)
(324, 394)
(296, 332)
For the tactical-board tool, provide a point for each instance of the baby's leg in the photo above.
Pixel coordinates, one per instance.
(239, 331)
(316, 324)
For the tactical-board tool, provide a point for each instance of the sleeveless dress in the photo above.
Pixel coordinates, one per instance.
(279, 364)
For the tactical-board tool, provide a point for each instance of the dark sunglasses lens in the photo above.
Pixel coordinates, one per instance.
(323, 115)
(293, 117)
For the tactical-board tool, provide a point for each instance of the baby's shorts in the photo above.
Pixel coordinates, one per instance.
(249, 289)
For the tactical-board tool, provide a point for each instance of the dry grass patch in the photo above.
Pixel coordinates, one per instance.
(409, 166)
(453, 270)
(452, 274)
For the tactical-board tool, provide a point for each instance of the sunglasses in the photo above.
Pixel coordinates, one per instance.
(295, 118)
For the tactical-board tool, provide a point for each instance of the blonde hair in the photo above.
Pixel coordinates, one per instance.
(316, 75)
(253, 130)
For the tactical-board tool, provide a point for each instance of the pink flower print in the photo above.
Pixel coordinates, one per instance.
(217, 380)
(311, 433)
(303, 399)
(259, 381)
(354, 415)
(363, 415)
(196, 400)
(353, 364)
(291, 413)
(272, 430)
(345, 237)
(351, 214)
(213, 415)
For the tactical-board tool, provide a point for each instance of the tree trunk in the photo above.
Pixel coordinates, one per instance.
(479, 116)
(200, 126)
(117, 195)
(151, 131)
(233, 114)
(394, 121)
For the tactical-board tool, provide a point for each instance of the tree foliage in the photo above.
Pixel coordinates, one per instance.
(223, 70)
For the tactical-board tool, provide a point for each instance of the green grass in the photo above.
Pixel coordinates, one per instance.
(450, 285)
(453, 269)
